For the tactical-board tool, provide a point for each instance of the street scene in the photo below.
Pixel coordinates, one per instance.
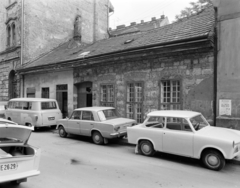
(77, 162)
(119, 93)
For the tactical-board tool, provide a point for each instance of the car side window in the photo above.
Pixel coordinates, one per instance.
(87, 115)
(179, 124)
(76, 115)
(155, 122)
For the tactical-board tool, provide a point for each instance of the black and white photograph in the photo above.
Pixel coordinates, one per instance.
(119, 93)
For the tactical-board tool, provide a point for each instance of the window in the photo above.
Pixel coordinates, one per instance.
(170, 95)
(86, 115)
(27, 105)
(13, 35)
(179, 124)
(134, 101)
(76, 115)
(31, 92)
(8, 36)
(107, 95)
(155, 122)
(45, 92)
(48, 105)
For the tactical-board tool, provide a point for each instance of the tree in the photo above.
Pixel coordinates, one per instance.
(195, 8)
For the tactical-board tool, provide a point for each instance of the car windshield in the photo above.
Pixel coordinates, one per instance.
(198, 122)
(107, 114)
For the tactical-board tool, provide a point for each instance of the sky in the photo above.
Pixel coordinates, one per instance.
(127, 11)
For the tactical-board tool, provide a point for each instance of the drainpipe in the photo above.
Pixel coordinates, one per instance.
(22, 47)
(215, 67)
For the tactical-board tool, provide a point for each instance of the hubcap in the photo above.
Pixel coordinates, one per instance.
(97, 138)
(61, 131)
(213, 160)
(146, 148)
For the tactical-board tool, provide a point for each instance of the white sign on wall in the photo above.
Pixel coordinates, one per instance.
(225, 107)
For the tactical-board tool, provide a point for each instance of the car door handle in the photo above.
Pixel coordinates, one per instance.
(91, 123)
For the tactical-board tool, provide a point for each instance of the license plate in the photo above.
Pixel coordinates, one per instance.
(8, 166)
(51, 118)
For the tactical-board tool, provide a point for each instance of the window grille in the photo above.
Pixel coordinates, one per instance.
(134, 101)
(107, 95)
(170, 95)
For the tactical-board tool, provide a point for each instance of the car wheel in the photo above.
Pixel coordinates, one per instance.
(213, 160)
(146, 148)
(62, 133)
(97, 138)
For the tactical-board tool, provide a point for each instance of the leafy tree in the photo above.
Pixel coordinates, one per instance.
(195, 8)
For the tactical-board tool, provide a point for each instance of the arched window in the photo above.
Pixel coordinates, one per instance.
(8, 36)
(13, 34)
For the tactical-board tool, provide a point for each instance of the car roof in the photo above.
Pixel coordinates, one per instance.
(32, 99)
(95, 108)
(174, 113)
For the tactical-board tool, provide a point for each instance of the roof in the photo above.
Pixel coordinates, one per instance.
(174, 113)
(197, 26)
(143, 26)
(95, 108)
(32, 99)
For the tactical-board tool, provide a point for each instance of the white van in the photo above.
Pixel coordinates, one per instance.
(36, 112)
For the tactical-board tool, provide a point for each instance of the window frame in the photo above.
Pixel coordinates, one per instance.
(135, 103)
(45, 93)
(180, 103)
(107, 102)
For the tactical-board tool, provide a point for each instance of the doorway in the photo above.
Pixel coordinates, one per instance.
(84, 94)
(62, 99)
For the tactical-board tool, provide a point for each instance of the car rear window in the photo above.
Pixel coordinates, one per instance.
(48, 105)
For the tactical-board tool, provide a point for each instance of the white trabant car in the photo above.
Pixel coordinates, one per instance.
(18, 160)
(185, 133)
(101, 123)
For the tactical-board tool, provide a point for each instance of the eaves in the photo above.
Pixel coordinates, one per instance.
(78, 62)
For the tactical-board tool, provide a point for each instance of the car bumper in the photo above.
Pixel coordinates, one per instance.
(118, 134)
(22, 175)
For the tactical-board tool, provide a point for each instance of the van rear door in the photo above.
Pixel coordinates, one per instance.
(50, 113)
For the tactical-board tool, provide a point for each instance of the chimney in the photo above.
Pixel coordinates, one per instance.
(120, 26)
(162, 16)
(153, 18)
(133, 23)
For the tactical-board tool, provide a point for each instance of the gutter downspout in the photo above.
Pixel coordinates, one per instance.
(22, 47)
(215, 73)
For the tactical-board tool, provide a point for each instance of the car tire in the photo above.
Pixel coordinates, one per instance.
(62, 133)
(97, 138)
(213, 160)
(15, 183)
(146, 148)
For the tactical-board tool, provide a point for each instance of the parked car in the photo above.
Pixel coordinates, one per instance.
(185, 133)
(101, 123)
(33, 112)
(18, 160)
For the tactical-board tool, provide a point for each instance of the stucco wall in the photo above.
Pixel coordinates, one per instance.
(195, 74)
(228, 70)
(38, 81)
(50, 23)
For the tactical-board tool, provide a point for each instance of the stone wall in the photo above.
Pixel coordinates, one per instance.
(195, 73)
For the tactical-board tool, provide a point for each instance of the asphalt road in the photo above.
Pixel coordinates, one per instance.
(75, 162)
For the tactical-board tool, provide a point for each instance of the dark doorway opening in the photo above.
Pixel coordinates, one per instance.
(84, 92)
(12, 85)
(62, 99)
